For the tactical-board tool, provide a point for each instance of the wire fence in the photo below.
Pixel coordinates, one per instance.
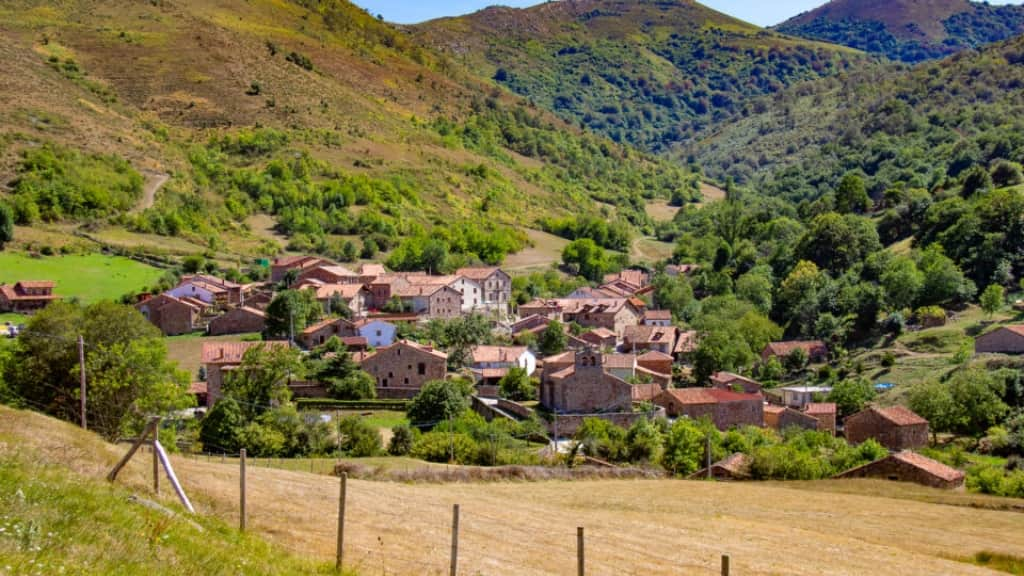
(391, 533)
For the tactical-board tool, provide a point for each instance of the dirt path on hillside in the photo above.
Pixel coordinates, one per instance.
(154, 182)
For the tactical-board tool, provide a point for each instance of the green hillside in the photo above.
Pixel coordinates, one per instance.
(651, 73)
(908, 30)
(185, 120)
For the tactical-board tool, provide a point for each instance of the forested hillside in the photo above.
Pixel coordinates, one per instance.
(908, 30)
(351, 136)
(651, 73)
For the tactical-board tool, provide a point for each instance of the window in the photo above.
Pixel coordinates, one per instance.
(421, 368)
(378, 333)
(407, 381)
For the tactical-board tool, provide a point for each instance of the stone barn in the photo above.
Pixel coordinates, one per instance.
(725, 408)
(909, 466)
(1003, 340)
(896, 428)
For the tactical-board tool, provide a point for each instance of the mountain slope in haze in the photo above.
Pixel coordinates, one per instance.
(652, 73)
(928, 127)
(313, 112)
(908, 30)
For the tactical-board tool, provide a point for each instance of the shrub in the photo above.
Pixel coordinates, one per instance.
(888, 360)
(444, 447)
(357, 438)
(403, 437)
(438, 401)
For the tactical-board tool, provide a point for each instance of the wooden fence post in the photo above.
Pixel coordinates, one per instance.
(135, 447)
(455, 541)
(580, 555)
(725, 565)
(341, 521)
(241, 490)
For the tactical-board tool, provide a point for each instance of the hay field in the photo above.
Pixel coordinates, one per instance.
(633, 527)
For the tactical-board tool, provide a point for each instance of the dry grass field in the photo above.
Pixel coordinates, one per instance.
(633, 527)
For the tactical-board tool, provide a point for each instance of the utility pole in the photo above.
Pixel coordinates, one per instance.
(81, 376)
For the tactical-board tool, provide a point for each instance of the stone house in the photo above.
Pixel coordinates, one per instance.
(219, 358)
(656, 362)
(586, 387)
(431, 301)
(402, 369)
(725, 408)
(896, 428)
(907, 466)
(242, 320)
(1002, 340)
(378, 333)
(210, 289)
(470, 290)
(825, 413)
(735, 382)
(658, 318)
(496, 285)
(173, 316)
(601, 338)
(783, 417)
(328, 274)
(355, 296)
(646, 337)
(280, 266)
(686, 345)
(26, 296)
(383, 288)
(816, 350)
(322, 331)
(613, 314)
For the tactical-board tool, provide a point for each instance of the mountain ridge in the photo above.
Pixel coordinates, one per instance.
(908, 30)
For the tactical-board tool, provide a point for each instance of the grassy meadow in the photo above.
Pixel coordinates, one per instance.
(90, 277)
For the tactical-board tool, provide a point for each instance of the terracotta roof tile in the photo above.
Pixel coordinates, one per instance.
(820, 408)
(930, 466)
(710, 396)
(232, 352)
(900, 415)
(490, 354)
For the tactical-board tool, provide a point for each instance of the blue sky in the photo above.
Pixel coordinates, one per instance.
(762, 12)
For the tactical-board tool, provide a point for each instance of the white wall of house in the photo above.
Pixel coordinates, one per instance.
(472, 293)
(188, 290)
(378, 333)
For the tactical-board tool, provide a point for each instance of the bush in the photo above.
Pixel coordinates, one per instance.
(444, 447)
(357, 438)
(403, 437)
(438, 401)
(888, 360)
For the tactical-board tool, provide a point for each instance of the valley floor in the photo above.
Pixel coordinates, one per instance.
(632, 527)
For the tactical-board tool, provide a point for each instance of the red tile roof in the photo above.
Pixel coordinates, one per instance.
(492, 354)
(820, 408)
(619, 361)
(654, 355)
(710, 396)
(477, 273)
(232, 352)
(198, 388)
(658, 315)
(930, 466)
(900, 416)
(325, 323)
(1017, 329)
(36, 284)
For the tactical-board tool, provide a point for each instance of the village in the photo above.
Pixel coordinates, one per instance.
(621, 359)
